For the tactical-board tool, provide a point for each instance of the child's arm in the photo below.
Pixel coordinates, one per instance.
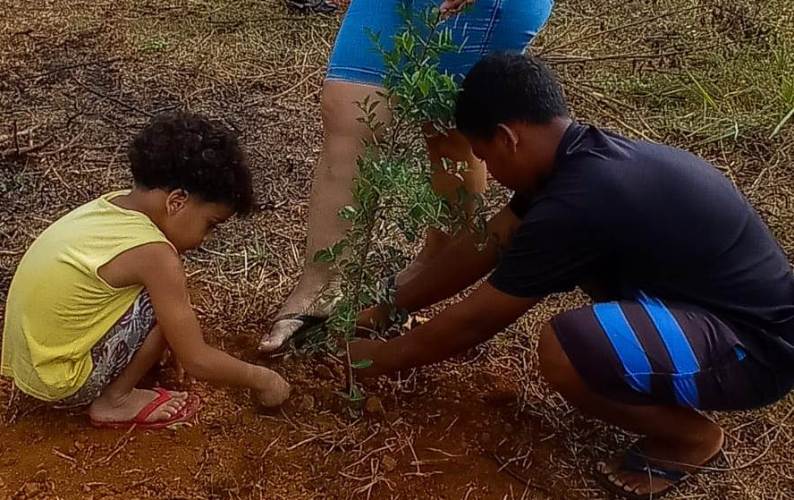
(160, 270)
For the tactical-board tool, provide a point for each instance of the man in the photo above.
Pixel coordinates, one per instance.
(694, 299)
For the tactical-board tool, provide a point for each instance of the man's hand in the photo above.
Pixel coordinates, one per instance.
(375, 319)
(449, 7)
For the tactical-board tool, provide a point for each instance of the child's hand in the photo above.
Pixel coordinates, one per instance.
(272, 389)
(179, 371)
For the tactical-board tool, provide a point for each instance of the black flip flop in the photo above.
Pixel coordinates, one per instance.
(635, 461)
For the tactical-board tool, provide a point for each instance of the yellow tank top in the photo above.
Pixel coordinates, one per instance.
(58, 307)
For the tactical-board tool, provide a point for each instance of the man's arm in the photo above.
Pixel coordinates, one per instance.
(459, 265)
(472, 321)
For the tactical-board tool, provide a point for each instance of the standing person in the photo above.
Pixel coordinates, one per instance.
(355, 72)
(101, 293)
(693, 297)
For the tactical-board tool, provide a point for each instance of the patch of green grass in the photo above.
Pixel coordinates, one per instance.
(740, 90)
(154, 45)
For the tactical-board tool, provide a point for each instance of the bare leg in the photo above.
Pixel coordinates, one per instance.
(673, 435)
(331, 190)
(121, 400)
(474, 179)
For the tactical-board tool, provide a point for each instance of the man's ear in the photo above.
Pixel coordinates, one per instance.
(508, 136)
(176, 201)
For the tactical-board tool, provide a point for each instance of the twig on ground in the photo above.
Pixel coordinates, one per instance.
(120, 444)
(63, 148)
(310, 439)
(39, 76)
(641, 22)
(269, 447)
(121, 103)
(64, 456)
(300, 82)
(20, 152)
(573, 59)
(504, 466)
(15, 135)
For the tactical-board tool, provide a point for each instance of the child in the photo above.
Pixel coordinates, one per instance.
(102, 293)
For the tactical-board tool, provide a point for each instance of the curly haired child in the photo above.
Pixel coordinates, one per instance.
(101, 293)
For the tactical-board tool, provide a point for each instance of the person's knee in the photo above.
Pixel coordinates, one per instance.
(332, 109)
(341, 113)
(453, 146)
(555, 367)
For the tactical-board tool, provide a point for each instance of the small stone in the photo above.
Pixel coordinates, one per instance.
(78, 446)
(389, 463)
(499, 397)
(324, 372)
(31, 490)
(374, 406)
(307, 402)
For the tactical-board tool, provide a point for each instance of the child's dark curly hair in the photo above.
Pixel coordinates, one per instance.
(187, 151)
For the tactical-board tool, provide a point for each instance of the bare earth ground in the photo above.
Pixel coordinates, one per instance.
(77, 78)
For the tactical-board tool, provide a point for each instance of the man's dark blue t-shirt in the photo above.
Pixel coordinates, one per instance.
(642, 216)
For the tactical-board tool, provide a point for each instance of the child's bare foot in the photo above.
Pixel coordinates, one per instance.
(679, 458)
(125, 407)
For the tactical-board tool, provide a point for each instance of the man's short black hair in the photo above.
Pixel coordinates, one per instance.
(188, 151)
(503, 88)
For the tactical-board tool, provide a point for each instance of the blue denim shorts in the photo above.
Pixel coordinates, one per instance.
(486, 27)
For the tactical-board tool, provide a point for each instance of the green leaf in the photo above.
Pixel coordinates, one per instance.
(348, 213)
(325, 255)
(361, 364)
(355, 394)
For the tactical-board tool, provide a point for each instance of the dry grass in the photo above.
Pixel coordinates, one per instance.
(78, 78)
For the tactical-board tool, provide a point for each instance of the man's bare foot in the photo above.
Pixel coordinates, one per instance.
(686, 455)
(125, 407)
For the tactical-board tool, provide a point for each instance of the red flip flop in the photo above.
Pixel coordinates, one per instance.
(191, 407)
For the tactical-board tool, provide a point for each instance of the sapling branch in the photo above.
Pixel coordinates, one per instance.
(392, 193)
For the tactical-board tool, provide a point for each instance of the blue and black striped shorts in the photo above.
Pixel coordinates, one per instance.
(649, 351)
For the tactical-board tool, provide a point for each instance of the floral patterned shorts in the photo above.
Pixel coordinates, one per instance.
(114, 351)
